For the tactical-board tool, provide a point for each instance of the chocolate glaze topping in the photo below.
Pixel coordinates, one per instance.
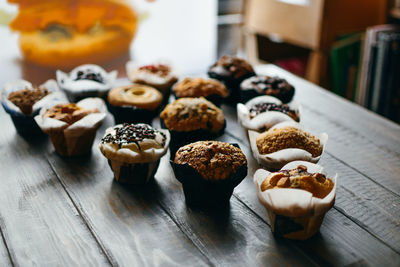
(132, 133)
(263, 107)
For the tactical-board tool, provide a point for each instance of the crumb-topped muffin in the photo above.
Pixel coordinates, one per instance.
(189, 114)
(288, 137)
(72, 127)
(134, 103)
(214, 160)
(26, 98)
(231, 71)
(266, 85)
(209, 171)
(211, 89)
(134, 151)
(299, 178)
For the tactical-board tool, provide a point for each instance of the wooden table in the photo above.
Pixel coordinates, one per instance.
(58, 211)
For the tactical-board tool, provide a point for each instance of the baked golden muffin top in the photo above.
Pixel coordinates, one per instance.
(196, 87)
(69, 113)
(213, 160)
(299, 178)
(288, 137)
(137, 95)
(189, 114)
(26, 98)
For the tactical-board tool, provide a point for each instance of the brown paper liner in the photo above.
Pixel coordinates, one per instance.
(72, 146)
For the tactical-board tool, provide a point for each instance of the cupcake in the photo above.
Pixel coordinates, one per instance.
(263, 112)
(134, 103)
(23, 102)
(286, 142)
(86, 81)
(296, 198)
(133, 151)
(231, 71)
(211, 89)
(192, 119)
(159, 76)
(209, 171)
(72, 127)
(266, 85)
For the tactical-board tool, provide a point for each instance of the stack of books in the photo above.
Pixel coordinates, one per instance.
(366, 69)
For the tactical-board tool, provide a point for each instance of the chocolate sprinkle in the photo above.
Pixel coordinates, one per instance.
(263, 107)
(89, 75)
(132, 133)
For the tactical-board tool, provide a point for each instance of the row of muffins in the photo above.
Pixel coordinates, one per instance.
(189, 120)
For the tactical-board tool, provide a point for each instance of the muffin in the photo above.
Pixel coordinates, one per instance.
(86, 81)
(209, 171)
(263, 112)
(192, 119)
(22, 102)
(296, 198)
(266, 85)
(211, 89)
(133, 151)
(72, 127)
(159, 76)
(231, 71)
(286, 142)
(134, 103)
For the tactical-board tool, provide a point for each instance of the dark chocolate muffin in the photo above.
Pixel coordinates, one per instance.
(231, 71)
(209, 171)
(266, 85)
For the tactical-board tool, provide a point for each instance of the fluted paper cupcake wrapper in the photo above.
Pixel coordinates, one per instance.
(265, 120)
(276, 160)
(133, 173)
(294, 213)
(201, 192)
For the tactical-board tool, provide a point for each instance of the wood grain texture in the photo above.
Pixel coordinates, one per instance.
(5, 259)
(228, 237)
(358, 198)
(39, 223)
(127, 220)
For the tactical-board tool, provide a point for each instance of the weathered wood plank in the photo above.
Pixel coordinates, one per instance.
(5, 259)
(358, 197)
(39, 223)
(231, 237)
(127, 220)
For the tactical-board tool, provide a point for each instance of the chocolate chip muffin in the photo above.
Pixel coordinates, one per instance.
(209, 171)
(259, 108)
(266, 85)
(231, 71)
(26, 98)
(288, 137)
(133, 151)
(298, 178)
(192, 119)
(211, 89)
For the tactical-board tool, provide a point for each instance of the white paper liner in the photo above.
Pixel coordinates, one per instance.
(295, 205)
(266, 119)
(55, 95)
(66, 138)
(279, 158)
(126, 155)
(66, 82)
(151, 79)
